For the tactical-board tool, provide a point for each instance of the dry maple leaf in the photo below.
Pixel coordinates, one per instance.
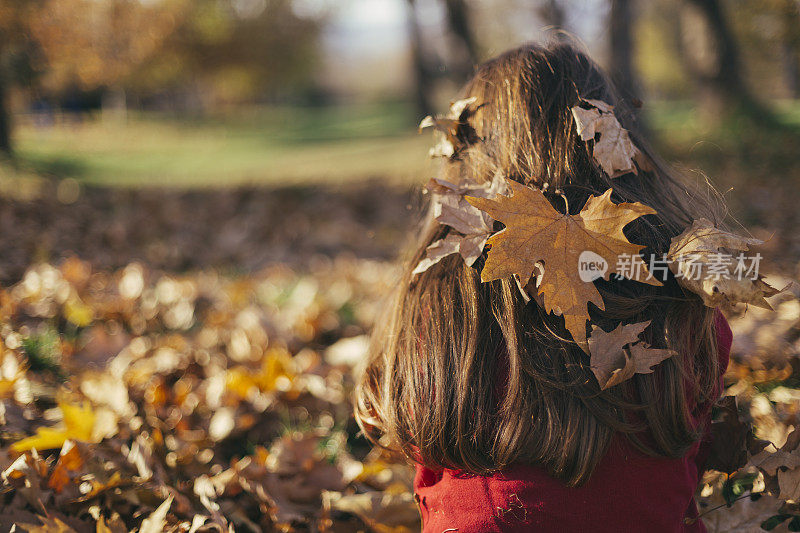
(536, 232)
(619, 354)
(700, 259)
(453, 128)
(452, 209)
(614, 151)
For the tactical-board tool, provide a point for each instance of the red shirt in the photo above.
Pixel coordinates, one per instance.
(628, 491)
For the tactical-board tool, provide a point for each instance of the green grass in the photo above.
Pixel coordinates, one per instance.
(264, 146)
(278, 146)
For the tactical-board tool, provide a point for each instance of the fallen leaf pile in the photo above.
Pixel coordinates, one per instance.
(237, 230)
(135, 400)
(754, 476)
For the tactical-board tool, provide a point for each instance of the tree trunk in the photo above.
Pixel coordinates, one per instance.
(5, 120)
(552, 14)
(790, 47)
(791, 69)
(621, 50)
(711, 56)
(458, 19)
(422, 74)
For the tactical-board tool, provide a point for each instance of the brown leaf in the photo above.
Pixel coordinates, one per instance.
(69, 462)
(701, 260)
(610, 363)
(646, 357)
(614, 151)
(381, 511)
(789, 483)
(732, 439)
(536, 232)
(619, 354)
(452, 209)
(452, 128)
(787, 456)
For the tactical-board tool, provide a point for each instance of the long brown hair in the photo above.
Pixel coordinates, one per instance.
(467, 375)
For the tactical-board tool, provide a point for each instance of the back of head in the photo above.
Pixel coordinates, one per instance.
(471, 375)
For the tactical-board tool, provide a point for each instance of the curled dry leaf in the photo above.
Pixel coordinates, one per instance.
(451, 208)
(381, 511)
(614, 151)
(535, 232)
(619, 354)
(156, 521)
(787, 456)
(701, 260)
(453, 131)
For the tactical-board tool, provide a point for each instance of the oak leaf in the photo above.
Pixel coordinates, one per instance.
(536, 232)
(613, 150)
(701, 260)
(619, 354)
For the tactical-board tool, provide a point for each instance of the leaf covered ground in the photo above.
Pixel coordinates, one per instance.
(183, 362)
(135, 399)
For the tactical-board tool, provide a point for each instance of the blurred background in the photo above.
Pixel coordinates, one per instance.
(110, 103)
(202, 201)
(119, 102)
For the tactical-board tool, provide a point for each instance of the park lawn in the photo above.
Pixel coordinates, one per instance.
(278, 146)
(260, 146)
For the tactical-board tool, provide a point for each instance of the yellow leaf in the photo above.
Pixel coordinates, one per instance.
(78, 425)
(78, 312)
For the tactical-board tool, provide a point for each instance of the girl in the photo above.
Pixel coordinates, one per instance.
(486, 384)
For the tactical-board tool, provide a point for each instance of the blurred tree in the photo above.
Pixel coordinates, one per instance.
(552, 14)
(5, 119)
(790, 45)
(237, 50)
(16, 52)
(621, 52)
(458, 20)
(90, 45)
(710, 54)
(423, 72)
(621, 48)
